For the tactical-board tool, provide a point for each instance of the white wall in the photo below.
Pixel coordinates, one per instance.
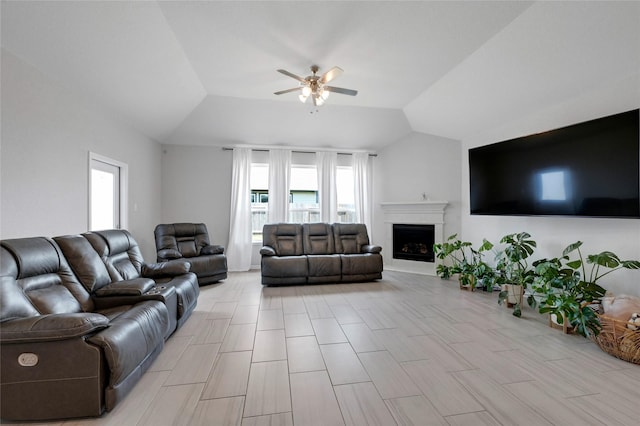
(415, 165)
(622, 236)
(47, 133)
(196, 187)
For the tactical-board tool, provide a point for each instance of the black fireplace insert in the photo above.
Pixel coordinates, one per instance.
(413, 242)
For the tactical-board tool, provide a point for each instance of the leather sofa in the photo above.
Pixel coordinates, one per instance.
(81, 319)
(317, 253)
(190, 241)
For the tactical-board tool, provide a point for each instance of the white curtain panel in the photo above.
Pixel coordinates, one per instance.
(362, 187)
(279, 177)
(327, 166)
(239, 249)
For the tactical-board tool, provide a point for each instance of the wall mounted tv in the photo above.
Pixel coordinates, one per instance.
(587, 169)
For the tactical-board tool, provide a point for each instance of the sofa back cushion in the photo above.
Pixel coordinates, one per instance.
(350, 237)
(119, 252)
(84, 261)
(36, 280)
(317, 238)
(187, 238)
(284, 238)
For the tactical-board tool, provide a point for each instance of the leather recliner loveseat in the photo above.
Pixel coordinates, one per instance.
(79, 325)
(190, 241)
(316, 253)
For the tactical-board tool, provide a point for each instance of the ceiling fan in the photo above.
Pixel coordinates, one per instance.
(315, 86)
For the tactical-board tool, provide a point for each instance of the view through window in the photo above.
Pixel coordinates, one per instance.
(107, 190)
(303, 196)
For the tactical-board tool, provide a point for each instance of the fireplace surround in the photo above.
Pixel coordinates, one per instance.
(411, 217)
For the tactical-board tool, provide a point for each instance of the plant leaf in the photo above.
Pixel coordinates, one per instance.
(631, 264)
(571, 247)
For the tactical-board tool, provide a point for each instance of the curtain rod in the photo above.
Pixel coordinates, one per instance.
(226, 148)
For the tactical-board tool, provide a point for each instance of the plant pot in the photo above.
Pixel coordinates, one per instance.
(467, 282)
(565, 326)
(515, 294)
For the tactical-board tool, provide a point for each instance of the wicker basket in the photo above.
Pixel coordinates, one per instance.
(617, 340)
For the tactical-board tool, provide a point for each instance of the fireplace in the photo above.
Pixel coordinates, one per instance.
(407, 215)
(413, 242)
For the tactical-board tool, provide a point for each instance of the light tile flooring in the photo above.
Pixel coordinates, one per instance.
(407, 350)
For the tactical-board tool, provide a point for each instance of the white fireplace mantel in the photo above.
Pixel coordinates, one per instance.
(407, 213)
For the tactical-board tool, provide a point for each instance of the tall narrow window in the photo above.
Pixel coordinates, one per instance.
(107, 193)
(259, 199)
(345, 194)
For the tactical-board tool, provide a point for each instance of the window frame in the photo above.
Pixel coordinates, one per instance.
(123, 184)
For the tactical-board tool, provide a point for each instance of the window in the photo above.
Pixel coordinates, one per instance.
(303, 194)
(107, 193)
(346, 194)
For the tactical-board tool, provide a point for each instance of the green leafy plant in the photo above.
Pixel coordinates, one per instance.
(513, 267)
(568, 287)
(453, 250)
(464, 260)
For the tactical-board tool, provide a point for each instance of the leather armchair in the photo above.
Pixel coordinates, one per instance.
(190, 241)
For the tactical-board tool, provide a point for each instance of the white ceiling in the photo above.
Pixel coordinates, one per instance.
(205, 72)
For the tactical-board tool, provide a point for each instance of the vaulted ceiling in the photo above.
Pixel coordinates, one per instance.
(204, 72)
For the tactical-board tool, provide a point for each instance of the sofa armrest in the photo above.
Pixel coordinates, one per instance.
(212, 249)
(165, 269)
(169, 254)
(267, 251)
(51, 327)
(370, 248)
(134, 287)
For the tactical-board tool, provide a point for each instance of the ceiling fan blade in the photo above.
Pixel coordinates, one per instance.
(341, 90)
(331, 74)
(288, 74)
(282, 92)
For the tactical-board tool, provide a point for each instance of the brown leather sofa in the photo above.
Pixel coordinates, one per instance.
(81, 319)
(317, 253)
(190, 241)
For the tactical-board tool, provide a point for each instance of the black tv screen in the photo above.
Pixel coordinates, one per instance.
(587, 169)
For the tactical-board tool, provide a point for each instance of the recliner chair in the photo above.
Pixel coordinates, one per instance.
(190, 241)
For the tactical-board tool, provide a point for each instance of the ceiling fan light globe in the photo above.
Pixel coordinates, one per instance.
(306, 91)
(319, 100)
(325, 94)
(303, 98)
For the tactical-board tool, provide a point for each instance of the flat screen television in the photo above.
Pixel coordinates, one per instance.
(589, 169)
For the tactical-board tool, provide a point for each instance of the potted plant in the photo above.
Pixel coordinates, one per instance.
(457, 253)
(464, 260)
(514, 273)
(566, 289)
(484, 274)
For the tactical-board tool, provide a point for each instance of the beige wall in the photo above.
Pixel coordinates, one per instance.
(418, 164)
(47, 133)
(196, 187)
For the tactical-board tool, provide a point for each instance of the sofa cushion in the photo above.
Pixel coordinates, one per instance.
(350, 238)
(324, 268)
(134, 287)
(119, 252)
(285, 266)
(131, 337)
(44, 278)
(84, 261)
(318, 238)
(285, 238)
